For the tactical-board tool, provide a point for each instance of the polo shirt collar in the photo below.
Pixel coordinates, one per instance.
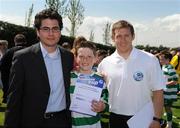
(132, 55)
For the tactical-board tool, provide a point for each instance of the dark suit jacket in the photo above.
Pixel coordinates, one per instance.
(5, 66)
(29, 87)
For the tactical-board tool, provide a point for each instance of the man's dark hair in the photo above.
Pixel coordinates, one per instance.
(47, 14)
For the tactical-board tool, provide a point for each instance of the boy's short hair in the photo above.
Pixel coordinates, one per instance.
(87, 44)
(168, 56)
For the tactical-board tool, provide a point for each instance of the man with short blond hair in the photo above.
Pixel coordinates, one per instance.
(134, 78)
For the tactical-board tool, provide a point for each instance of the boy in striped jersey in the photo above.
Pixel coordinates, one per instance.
(170, 92)
(85, 57)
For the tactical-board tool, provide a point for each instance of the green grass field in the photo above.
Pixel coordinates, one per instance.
(176, 113)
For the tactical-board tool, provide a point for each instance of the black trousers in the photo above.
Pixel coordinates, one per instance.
(119, 121)
(60, 119)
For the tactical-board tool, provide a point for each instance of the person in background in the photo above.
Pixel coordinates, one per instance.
(6, 62)
(170, 92)
(173, 52)
(175, 62)
(3, 47)
(38, 96)
(76, 43)
(85, 57)
(100, 55)
(67, 46)
(134, 78)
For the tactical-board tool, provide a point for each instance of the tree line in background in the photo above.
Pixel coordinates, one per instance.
(8, 31)
(73, 10)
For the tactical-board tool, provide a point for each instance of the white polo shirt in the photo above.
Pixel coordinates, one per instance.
(131, 81)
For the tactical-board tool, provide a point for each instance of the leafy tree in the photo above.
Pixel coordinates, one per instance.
(91, 37)
(58, 5)
(140, 47)
(106, 34)
(75, 13)
(28, 17)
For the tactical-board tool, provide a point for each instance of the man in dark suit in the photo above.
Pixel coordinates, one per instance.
(40, 78)
(6, 62)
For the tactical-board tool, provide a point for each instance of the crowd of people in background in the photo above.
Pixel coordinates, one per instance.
(6, 62)
(37, 81)
(3, 48)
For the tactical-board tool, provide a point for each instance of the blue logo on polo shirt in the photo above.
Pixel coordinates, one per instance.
(138, 76)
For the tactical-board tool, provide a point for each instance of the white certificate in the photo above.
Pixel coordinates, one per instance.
(143, 118)
(86, 90)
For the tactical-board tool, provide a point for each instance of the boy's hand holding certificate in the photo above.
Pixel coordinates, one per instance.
(86, 90)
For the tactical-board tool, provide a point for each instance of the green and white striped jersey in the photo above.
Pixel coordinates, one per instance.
(170, 92)
(82, 120)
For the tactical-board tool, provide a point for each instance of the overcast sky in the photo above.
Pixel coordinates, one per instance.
(156, 22)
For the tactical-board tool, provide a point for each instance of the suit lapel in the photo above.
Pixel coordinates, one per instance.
(41, 65)
(65, 75)
(64, 64)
